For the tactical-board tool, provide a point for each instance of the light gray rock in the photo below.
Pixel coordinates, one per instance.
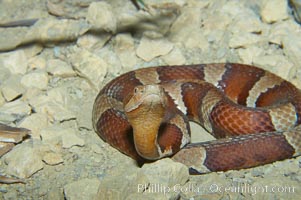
(273, 11)
(101, 16)
(2, 100)
(23, 161)
(55, 105)
(14, 111)
(12, 88)
(37, 62)
(93, 41)
(35, 122)
(53, 158)
(89, 66)
(248, 54)
(59, 68)
(148, 48)
(15, 61)
(166, 171)
(113, 187)
(296, 5)
(125, 50)
(243, 40)
(175, 57)
(37, 79)
(84, 188)
(53, 134)
(71, 139)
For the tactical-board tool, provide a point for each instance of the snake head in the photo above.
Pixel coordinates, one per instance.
(145, 96)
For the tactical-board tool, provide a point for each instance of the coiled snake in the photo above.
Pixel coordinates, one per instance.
(254, 114)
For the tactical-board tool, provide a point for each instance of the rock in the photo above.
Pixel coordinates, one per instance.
(166, 172)
(32, 50)
(90, 66)
(51, 29)
(275, 63)
(71, 139)
(23, 161)
(112, 60)
(4, 72)
(53, 158)
(14, 111)
(248, 54)
(175, 57)
(37, 62)
(12, 88)
(284, 187)
(125, 50)
(246, 22)
(59, 68)
(243, 40)
(112, 187)
(84, 188)
(2, 100)
(93, 41)
(35, 122)
(55, 111)
(38, 79)
(186, 30)
(296, 6)
(15, 61)
(157, 179)
(101, 16)
(148, 48)
(292, 48)
(273, 11)
(53, 134)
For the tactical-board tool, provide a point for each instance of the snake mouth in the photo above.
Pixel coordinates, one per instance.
(148, 95)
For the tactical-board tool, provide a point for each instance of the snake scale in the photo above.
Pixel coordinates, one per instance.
(254, 115)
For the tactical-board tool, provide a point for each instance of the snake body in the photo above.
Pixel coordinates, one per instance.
(254, 114)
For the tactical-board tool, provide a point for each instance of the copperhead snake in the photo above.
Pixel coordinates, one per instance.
(254, 114)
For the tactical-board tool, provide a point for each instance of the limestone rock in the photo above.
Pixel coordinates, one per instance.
(71, 139)
(15, 61)
(4, 72)
(125, 49)
(84, 188)
(37, 62)
(101, 16)
(53, 134)
(273, 11)
(166, 171)
(148, 48)
(175, 57)
(51, 29)
(90, 66)
(23, 161)
(14, 111)
(55, 105)
(113, 187)
(292, 48)
(296, 6)
(53, 158)
(35, 122)
(12, 88)
(92, 41)
(59, 68)
(248, 54)
(243, 40)
(37, 79)
(276, 63)
(2, 100)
